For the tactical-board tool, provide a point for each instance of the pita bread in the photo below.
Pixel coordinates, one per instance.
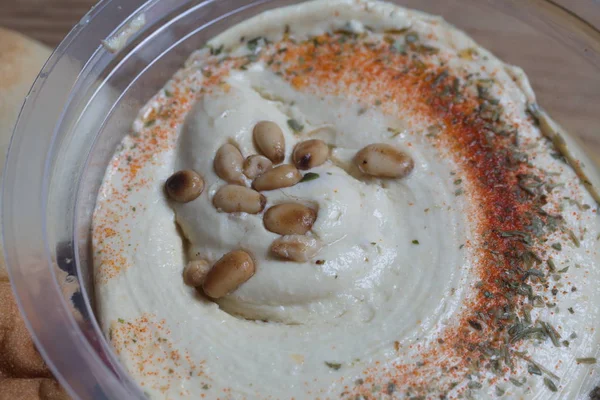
(23, 373)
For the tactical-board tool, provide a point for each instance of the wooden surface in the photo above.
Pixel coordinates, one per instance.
(48, 21)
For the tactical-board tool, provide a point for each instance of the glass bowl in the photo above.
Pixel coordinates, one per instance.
(86, 97)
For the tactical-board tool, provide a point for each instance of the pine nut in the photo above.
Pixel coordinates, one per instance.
(228, 274)
(184, 186)
(228, 164)
(310, 154)
(235, 198)
(276, 178)
(296, 248)
(256, 165)
(195, 272)
(289, 219)
(384, 161)
(269, 139)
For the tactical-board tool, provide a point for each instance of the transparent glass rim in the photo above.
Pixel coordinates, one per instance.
(20, 226)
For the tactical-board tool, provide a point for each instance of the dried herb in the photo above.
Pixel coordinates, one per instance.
(333, 365)
(411, 37)
(586, 360)
(391, 388)
(550, 385)
(556, 246)
(399, 47)
(551, 332)
(296, 126)
(395, 132)
(309, 176)
(474, 385)
(516, 382)
(534, 369)
(216, 51)
(574, 238)
(475, 325)
(415, 241)
(254, 44)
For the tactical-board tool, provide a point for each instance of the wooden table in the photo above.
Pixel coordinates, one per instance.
(48, 21)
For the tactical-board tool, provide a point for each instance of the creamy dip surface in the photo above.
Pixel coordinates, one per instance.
(474, 276)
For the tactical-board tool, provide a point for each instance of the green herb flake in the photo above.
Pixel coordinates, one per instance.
(395, 132)
(296, 126)
(121, 320)
(216, 51)
(518, 382)
(551, 333)
(556, 246)
(458, 181)
(550, 385)
(253, 44)
(571, 310)
(459, 192)
(474, 385)
(391, 388)
(309, 176)
(168, 94)
(149, 123)
(205, 387)
(551, 265)
(333, 365)
(399, 47)
(574, 238)
(586, 360)
(415, 241)
(534, 369)
(411, 37)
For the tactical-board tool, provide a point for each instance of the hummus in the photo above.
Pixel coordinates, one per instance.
(476, 275)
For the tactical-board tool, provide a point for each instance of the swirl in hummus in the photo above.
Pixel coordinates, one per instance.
(475, 275)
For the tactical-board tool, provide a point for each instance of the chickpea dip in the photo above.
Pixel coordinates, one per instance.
(349, 199)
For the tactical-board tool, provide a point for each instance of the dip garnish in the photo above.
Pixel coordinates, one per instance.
(184, 186)
(310, 154)
(296, 248)
(384, 161)
(255, 165)
(269, 140)
(228, 164)
(233, 269)
(282, 176)
(289, 219)
(235, 199)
